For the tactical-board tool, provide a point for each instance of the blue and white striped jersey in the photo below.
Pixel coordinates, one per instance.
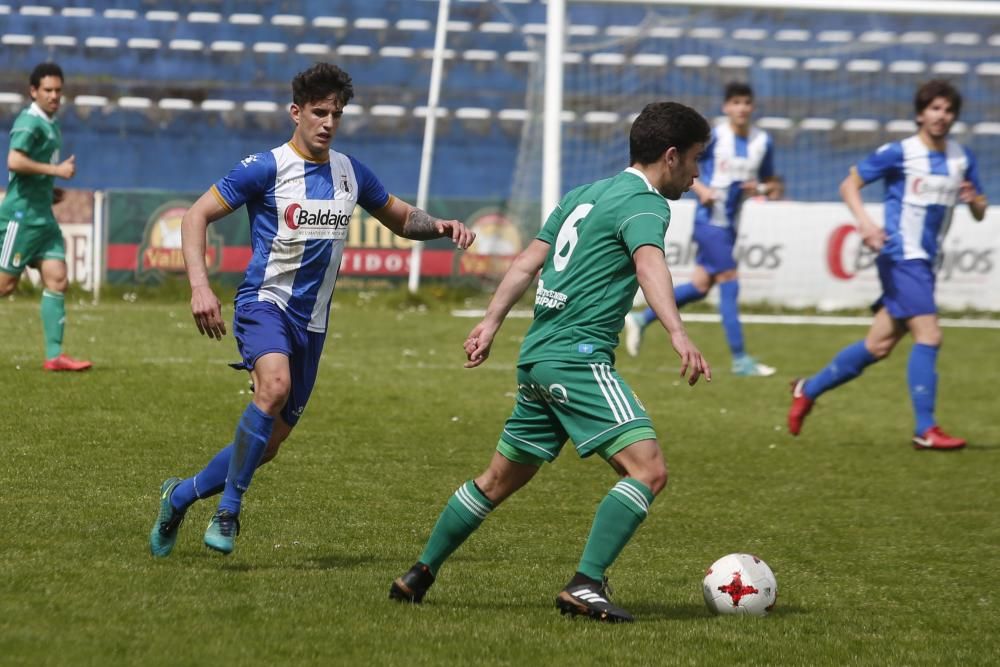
(921, 190)
(299, 213)
(729, 160)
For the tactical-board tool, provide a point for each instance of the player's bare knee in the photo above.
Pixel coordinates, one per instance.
(57, 284)
(6, 288)
(930, 338)
(271, 392)
(657, 478)
(881, 348)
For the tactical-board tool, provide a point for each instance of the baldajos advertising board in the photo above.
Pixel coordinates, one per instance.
(144, 243)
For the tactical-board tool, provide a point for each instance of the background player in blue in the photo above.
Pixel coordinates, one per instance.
(300, 197)
(925, 176)
(738, 163)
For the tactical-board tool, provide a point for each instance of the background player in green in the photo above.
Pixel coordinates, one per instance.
(29, 233)
(601, 243)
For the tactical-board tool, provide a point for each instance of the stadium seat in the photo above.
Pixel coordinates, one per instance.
(17, 40)
(165, 16)
(130, 102)
(204, 17)
(67, 41)
(790, 35)
(270, 47)
(288, 20)
(175, 104)
(246, 19)
(860, 125)
(950, 68)
(143, 44)
(96, 101)
(749, 34)
(864, 65)
(310, 49)
(907, 67)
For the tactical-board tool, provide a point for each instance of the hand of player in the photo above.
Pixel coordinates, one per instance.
(750, 187)
(460, 235)
(66, 168)
(691, 358)
(207, 311)
(706, 197)
(478, 343)
(58, 194)
(872, 235)
(967, 192)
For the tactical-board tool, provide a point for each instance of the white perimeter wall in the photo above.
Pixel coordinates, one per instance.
(808, 255)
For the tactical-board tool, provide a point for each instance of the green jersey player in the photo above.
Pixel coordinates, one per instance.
(602, 242)
(29, 234)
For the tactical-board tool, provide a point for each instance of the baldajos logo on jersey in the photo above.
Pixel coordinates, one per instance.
(317, 219)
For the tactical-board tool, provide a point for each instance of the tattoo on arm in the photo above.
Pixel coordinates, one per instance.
(420, 226)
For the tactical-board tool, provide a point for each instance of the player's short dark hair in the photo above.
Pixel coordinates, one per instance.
(662, 125)
(319, 82)
(43, 70)
(737, 89)
(933, 89)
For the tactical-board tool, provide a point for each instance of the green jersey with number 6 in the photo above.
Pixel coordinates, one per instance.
(29, 196)
(588, 280)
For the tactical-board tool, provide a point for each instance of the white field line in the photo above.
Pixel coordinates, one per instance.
(827, 320)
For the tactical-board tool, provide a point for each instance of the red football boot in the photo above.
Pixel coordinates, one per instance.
(64, 363)
(935, 438)
(801, 405)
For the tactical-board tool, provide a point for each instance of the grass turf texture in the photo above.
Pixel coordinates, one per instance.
(883, 555)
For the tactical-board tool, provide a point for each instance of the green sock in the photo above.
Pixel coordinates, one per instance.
(618, 516)
(53, 320)
(465, 510)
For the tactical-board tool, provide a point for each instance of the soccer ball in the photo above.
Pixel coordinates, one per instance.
(740, 584)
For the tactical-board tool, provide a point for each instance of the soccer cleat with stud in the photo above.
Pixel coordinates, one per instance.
(66, 363)
(801, 405)
(168, 521)
(935, 438)
(222, 531)
(590, 599)
(412, 586)
(633, 335)
(747, 366)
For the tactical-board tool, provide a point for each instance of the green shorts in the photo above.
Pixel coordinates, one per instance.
(22, 245)
(588, 403)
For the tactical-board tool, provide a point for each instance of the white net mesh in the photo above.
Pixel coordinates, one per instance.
(829, 86)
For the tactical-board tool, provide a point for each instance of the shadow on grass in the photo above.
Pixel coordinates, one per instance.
(684, 612)
(983, 447)
(347, 561)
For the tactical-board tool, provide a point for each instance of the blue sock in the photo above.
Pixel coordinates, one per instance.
(921, 375)
(847, 365)
(687, 293)
(252, 434)
(730, 311)
(207, 483)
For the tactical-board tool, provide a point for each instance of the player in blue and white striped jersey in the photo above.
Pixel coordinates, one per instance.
(925, 176)
(300, 198)
(738, 163)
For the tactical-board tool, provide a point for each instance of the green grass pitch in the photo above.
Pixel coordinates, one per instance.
(883, 555)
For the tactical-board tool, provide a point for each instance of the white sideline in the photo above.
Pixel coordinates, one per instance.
(827, 320)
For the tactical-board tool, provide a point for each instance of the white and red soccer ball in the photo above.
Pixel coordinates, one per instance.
(740, 584)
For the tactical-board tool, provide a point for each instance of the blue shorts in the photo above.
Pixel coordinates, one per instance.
(262, 327)
(907, 288)
(715, 248)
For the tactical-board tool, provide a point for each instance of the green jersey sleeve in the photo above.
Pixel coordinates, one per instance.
(550, 230)
(644, 221)
(25, 135)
